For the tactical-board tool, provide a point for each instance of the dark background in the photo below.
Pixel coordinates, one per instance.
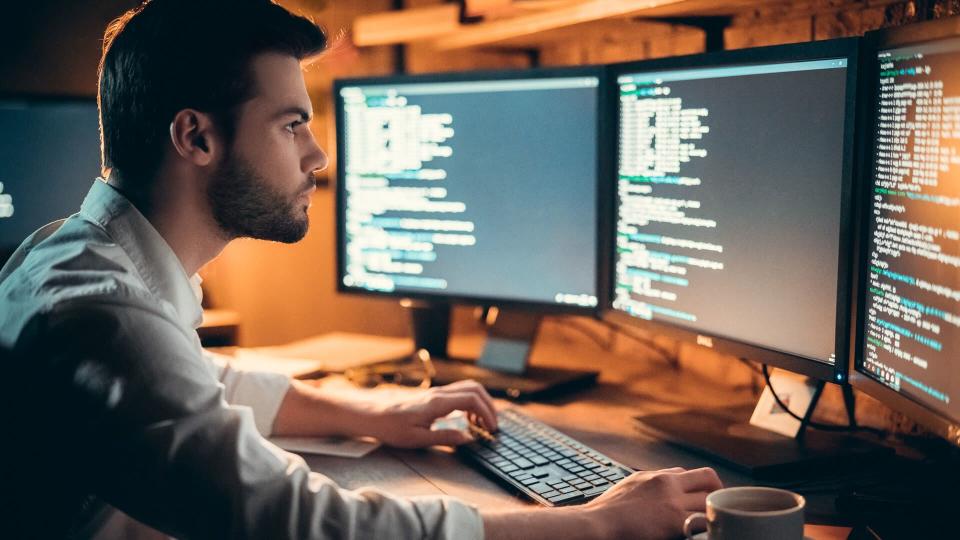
(49, 157)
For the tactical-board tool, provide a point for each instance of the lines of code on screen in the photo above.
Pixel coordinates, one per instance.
(912, 319)
(729, 201)
(483, 188)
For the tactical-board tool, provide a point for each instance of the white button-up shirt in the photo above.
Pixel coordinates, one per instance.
(109, 376)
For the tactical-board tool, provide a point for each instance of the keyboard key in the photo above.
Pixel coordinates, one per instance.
(538, 460)
(567, 489)
(594, 491)
(591, 477)
(523, 463)
(550, 495)
(555, 483)
(576, 469)
(540, 473)
(565, 497)
(531, 481)
(600, 482)
(509, 468)
(541, 488)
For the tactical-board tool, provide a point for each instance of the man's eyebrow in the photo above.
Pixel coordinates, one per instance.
(305, 115)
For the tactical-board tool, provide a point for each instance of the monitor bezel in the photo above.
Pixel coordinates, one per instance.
(601, 204)
(839, 48)
(914, 34)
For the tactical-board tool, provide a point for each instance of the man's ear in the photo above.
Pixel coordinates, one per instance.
(194, 137)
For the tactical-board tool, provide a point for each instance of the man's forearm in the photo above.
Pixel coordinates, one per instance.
(306, 411)
(570, 523)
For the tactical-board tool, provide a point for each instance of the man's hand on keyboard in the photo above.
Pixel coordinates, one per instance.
(653, 504)
(405, 422)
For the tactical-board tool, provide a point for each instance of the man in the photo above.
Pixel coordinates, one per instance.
(204, 118)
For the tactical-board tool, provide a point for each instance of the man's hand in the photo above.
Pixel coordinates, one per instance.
(645, 506)
(405, 422)
(655, 504)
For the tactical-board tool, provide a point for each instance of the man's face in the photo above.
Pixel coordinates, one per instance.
(262, 187)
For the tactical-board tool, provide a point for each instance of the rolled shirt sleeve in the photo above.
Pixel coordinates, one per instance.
(261, 391)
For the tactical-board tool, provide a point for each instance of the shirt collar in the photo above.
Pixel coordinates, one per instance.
(154, 260)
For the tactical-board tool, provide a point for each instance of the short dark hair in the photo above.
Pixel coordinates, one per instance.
(169, 55)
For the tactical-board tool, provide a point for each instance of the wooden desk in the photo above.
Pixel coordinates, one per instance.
(600, 417)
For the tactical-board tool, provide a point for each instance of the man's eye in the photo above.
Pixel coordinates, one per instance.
(293, 126)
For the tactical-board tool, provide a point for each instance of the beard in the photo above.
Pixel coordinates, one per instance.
(245, 206)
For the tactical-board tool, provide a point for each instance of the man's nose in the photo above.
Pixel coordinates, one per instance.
(316, 159)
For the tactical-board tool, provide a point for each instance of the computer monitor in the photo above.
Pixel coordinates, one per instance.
(49, 157)
(907, 331)
(733, 202)
(479, 188)
(450, 183)
(733, 229)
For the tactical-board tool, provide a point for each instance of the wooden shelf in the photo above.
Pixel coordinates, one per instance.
(440, 25)
(406, 26)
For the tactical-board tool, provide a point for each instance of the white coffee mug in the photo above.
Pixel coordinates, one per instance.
(750, 513)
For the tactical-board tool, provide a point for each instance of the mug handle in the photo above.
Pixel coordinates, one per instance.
(688, 523)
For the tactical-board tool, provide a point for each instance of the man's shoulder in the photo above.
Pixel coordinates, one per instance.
(79, 256)
(76, 266)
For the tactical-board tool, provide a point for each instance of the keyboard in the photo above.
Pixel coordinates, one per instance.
(543, 463)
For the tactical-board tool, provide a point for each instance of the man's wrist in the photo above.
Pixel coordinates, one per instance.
(306, 411)
(588, 521)
(361, 419)
(345, 415)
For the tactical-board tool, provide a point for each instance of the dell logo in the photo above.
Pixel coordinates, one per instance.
(705, 341)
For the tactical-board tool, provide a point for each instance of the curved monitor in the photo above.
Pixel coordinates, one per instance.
(471, 187)
(907, 334)
(49, 157)
(733, 201)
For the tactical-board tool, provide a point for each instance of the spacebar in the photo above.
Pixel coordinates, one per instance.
(565, 497)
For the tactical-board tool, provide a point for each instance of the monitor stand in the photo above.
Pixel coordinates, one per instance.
(503, 367)
(726, 435)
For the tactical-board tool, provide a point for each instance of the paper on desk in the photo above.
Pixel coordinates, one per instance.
(335, 352)
(327, 446)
